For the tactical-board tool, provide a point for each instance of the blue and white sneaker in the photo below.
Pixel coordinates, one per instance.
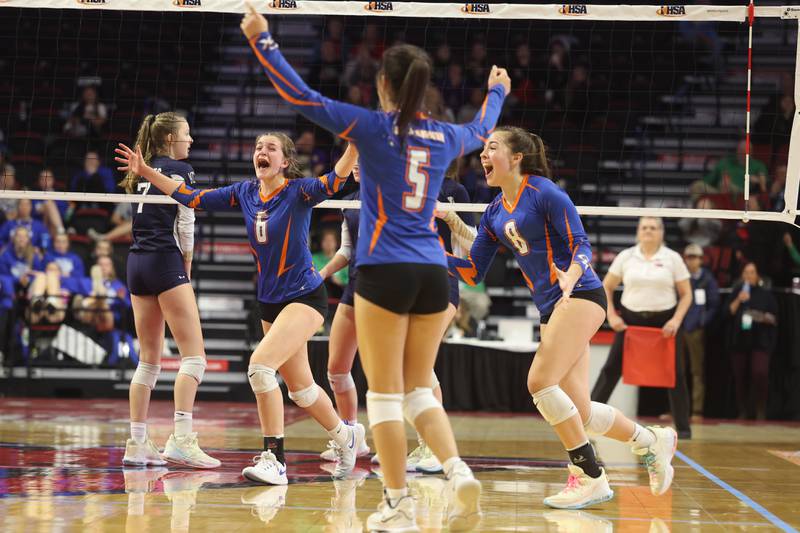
(185, 450)
(348, 453)
(266, 469)
(581, 490)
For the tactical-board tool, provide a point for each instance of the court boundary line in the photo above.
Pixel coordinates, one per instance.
(754, 505)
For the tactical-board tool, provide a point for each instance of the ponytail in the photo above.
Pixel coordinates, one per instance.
(407, 68)
(152, 139)
(531, 146)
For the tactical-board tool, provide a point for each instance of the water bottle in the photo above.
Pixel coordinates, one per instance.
(796, 285)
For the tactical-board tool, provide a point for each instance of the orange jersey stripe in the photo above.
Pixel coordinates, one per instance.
(569, 230)
(528, 281)
(255, 255)
(469, 275)
(269, 67)
(196, 200)
(382, 219)
(553, 277)
(183, 189)
(347, 130)
(522, 186)
(282, 268)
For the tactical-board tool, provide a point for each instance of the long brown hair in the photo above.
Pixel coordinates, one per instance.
(531, 146)
(152, 139)
(292, 171)
(407, 68)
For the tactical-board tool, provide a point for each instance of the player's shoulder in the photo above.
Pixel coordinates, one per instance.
(494, 206)
(173, 167)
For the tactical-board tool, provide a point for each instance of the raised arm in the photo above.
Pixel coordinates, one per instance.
(473, 135)
(315, 190)
(347, 121)
(206, 199)
(473, 269)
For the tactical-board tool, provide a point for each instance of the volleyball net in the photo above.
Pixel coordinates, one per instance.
(645, 109)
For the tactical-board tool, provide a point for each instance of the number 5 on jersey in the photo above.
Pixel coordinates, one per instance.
(516, 239)
(416, 176)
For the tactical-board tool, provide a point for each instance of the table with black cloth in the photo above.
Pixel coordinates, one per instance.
(474, 376)
(784, 373)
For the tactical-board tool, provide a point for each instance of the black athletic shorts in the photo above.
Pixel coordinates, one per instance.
(350, 290)
(316, 299)
(405, 288)
(597, 296)
(151, 273)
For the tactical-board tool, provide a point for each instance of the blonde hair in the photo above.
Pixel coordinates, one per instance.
(30, 251)
(292, 171)
(152, 139)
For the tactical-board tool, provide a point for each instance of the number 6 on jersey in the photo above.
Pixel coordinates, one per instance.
(417, 177)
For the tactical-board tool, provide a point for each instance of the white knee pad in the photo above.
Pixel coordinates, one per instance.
(434, 380)
(341, 382)
(306, 397)
(146, 374)
(601, 418)
(194, 366)
(417, 402)
(554, 404)
(262, 378)
(382, 407)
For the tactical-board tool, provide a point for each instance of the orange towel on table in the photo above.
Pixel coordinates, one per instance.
(648, 358)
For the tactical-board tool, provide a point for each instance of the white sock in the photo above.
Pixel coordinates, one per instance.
(340, 433)
(450, 464)
(642, 437)
(183, 423)
(394, 495)
(139, 432)
(136, 504)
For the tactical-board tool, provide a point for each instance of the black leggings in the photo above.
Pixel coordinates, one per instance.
(612, 370)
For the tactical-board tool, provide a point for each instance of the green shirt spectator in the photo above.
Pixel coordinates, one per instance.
(328, 246)
(728, 174)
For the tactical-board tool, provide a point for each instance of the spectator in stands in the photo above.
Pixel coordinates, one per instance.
(354, 95)
(361, 70)
(476, 64)
(20, 259)
(521, 71)
(93, 177)
(656, 293)
(728, 176)
(69, 263)
(87, 117)
(752, 334)
(328, 246)
(558, 68)
(777, 189)
(313, 161)
(453, 89)
(102, 248)
(701, 231)
(441, 61)
(48, 298)
(8, 182)
(108, 299)
(327, 71)
(371, 42)
(471, 108)
(704, 306)
(122, 220)
(38, 231)
(576, 95)
(774, 125)
(792, 250)
(51, 212)
(6, 310)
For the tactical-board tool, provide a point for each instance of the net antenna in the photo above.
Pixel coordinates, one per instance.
(665, 14)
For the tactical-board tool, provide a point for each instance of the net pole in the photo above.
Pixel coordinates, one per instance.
(790, 190)
(750, 17)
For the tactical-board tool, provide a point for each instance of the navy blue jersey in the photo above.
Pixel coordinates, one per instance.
(351, 219)
(452, 192)
(155, 226)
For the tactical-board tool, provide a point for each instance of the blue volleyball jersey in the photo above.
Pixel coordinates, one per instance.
(542, 227)
(452, 192)
(400, 176)
(277, 228)
(155, 225)
(351, 217)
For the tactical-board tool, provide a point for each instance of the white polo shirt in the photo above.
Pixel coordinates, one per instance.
(649, 284)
